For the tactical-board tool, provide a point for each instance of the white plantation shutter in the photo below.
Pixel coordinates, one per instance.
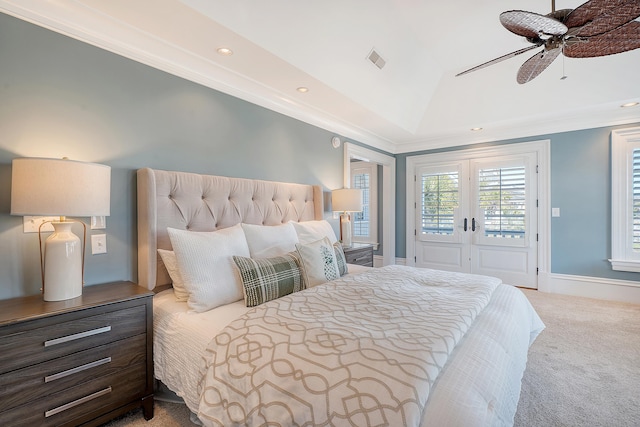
(440, 199)
(625, 200)
(365, 224)
(502, 199)
(636, 201)
(361, 219)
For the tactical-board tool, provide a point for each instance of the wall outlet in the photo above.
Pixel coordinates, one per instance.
(98, 244)
(30, 224)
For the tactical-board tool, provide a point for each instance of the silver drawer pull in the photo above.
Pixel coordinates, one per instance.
(77, 369)
(77, 336)
(76, 402)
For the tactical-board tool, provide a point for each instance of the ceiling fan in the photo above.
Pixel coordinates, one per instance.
(595, 28)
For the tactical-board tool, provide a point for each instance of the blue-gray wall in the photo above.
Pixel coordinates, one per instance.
(60, 97)
(580, 187)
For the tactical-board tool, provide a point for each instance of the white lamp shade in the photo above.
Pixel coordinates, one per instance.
(60, 187)
(347, 200)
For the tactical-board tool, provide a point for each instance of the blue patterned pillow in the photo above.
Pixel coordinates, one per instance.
(318, 262)
(340, 259)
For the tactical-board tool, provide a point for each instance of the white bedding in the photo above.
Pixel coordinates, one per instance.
(181, 336)
(479, 386)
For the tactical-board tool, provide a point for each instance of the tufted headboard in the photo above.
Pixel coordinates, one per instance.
(197, 202)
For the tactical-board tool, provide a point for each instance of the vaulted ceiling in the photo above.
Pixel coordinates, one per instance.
(414, 102)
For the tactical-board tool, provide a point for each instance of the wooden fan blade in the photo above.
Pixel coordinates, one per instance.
(499, 59)
(536, 64)
(599, 16)
(531, 25)
(622, 39)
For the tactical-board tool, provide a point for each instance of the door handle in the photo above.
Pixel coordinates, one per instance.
(465, 224)
(473, 224)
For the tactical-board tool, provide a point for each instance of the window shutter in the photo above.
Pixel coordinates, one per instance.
(503, 201)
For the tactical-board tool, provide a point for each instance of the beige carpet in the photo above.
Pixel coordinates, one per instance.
(583, 370)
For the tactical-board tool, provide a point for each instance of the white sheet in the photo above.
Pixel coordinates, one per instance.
(479, 387)
(180, 338)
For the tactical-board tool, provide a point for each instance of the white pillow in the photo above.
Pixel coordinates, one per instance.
(171, 264)
(206, 265)
(270, 240)
(311, 231)
(318, 262)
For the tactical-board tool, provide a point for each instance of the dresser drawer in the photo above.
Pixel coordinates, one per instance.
(37, 381)
(30, 346)
(105, 393)
(360, 256)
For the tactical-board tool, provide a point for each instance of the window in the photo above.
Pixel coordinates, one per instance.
(439, 202)
(502, 200)
(625, 200)
(365, 225)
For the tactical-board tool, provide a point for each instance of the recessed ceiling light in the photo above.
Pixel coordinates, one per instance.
(630, 104)
(476, 129)
(303, 89)
(224, 51)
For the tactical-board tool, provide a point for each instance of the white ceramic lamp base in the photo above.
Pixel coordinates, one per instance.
(345, 229)
(62, 264)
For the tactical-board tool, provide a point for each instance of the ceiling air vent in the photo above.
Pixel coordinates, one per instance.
(376, 59)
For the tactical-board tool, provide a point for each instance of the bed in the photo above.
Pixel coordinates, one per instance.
(477, 342)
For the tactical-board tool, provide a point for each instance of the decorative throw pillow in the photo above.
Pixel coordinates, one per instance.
(265, 279)
(311, 231)
(340, 258)
(318, 262)
(171, 264)
(270, 240)
(206, 265)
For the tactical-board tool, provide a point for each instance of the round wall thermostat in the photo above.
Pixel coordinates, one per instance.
(335, 141)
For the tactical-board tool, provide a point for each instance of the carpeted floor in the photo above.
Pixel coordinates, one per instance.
(583, 370)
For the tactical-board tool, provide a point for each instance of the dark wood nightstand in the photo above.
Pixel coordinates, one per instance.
(81, 361)
(360, 254)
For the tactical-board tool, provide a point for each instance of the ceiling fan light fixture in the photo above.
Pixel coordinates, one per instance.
(595, 28)
(629, 104)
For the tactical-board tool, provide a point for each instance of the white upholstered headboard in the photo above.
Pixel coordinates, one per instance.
(197, 202)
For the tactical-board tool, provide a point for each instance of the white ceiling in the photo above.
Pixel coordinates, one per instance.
(413, 103)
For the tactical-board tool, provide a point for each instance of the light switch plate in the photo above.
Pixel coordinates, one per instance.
(98, 244)
(555, 212)
(98, 222)
(30, 224)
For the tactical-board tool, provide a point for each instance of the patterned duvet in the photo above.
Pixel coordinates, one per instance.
(363, 350)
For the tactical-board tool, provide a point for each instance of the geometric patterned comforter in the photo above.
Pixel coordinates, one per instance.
(363, 350)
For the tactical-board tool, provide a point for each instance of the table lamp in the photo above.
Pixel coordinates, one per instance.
(60, 187)
(346, 200)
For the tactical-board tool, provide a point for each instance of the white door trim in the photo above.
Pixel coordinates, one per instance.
(388, 193)
(542, 148)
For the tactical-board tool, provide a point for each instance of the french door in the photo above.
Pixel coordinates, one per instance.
(479, 216)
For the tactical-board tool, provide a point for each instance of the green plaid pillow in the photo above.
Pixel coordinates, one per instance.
(340, 258)
(265, 279)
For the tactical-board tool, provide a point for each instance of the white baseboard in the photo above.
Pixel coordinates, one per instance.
(584, 286)
(379, 262)
(594, 287)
